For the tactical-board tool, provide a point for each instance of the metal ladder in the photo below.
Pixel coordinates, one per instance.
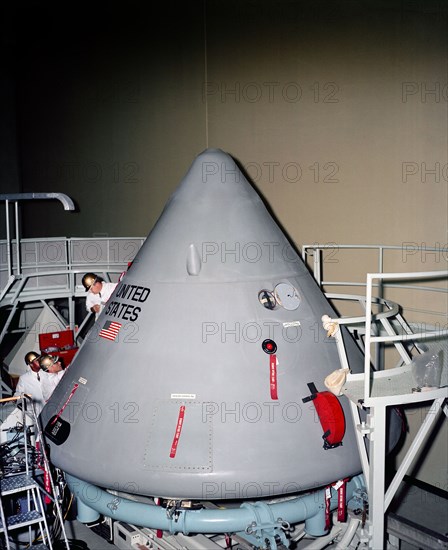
(27, 484)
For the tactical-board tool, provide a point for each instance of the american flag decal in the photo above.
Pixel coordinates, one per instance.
(110, 330)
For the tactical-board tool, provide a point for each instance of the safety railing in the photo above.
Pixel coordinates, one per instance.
(383, 324)
(383, 258)
(34, 255)
(16, 199)
(396, 339)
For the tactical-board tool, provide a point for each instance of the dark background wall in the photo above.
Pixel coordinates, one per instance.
(336, 109)
(327, 104)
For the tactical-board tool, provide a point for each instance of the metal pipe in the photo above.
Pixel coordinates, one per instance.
(8, 239)
(347, 538)
(230, 520)
(323, 542)
(18, 260)
(62, 197)
(85, 514)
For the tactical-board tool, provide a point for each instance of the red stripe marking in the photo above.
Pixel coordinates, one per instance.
(180, 423)
(159, 532)
(273, 375)
(342, 509)
(75, 387)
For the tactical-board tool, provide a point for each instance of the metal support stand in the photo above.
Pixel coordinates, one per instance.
(376, 475)
(374, 391)
(26, 483)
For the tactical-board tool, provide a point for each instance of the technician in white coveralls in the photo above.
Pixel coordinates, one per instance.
(99, 292)
(37, 382)
(52, 370)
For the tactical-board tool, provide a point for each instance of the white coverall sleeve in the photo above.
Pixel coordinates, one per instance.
(92, 300)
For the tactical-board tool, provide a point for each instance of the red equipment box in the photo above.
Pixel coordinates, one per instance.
(60, 343)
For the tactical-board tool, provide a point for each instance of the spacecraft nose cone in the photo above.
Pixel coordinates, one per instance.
(192, 379)
(217, 212)
(219, 171)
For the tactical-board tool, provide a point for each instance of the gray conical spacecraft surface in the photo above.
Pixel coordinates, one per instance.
(191, 383)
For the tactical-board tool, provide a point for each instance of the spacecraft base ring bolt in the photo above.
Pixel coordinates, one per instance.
(264, 527)
(175, 507)
(359, 503)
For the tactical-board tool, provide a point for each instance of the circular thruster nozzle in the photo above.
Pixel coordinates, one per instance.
(269, 346)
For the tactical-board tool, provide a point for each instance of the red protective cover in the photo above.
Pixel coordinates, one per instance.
(54, 342)
(62, 339)
(331, 416)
